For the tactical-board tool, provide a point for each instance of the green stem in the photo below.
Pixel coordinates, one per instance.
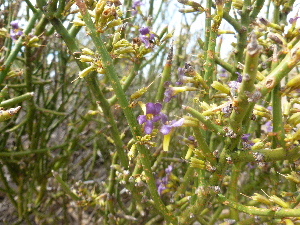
(18, 45)
(259, 211)
(134, 126)
(16, 100)
(269, 155)
(208, 123)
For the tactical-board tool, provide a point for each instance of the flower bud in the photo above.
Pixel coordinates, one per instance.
(220, 87)
(33, 39)
(293, 177)
(87, 51)
(78, 22)
(260, 198)
(279, 201)
(189, 152)
(116, 38)
(85, 58)
(85, 72)
(294, 119)
(114, 23)
(124, 50)
(3, 32)
(197, 163)
(292, 84)
(288, 222)
(258, 145)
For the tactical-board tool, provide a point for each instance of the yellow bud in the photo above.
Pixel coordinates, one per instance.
(78, 23)
(189, 152)
(238, 4)
(124, 50)
(87, 51)
(116, 38)
(85, 58)
(197, 163)
(260, 198)
(293, 177)
(258, 145)
(114, 23)
(259, 76)
(3, 32)
(220, 87)
(279, 201)
(294, 119)
(288, 222)
(85, 72)
(33, 39)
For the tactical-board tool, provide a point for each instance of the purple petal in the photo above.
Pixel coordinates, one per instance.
(14, 24)
(141, 119)
(169, 169)
(245, 137)
(240, 77)
(148, 127)
(180, 71)
(153, 109)
(165, 129)
(156, 118)
(152, 36)
(177, 123)
(145, 40)
(136, 4)
(164, 117)
(191, 138)
(144, 30)
(160, 188)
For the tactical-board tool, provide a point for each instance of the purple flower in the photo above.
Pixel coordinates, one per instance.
(293, 20)
(269, 126)
(245, 141)
(245, 137)
(240, 77)
(15, 32)
(14, 24)
(223, 74)
(167, 127)
(146, 36)
(144, 30)
(153, 115)
(162, 183)
(135, 5)
(169, 94)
